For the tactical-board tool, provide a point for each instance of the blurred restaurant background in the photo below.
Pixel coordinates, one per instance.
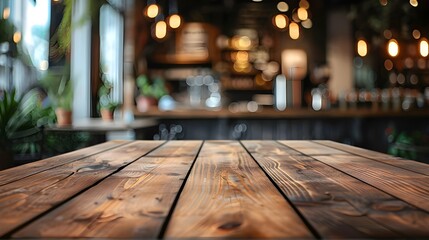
(355, 72)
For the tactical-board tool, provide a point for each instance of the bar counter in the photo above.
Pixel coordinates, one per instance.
(227, 189)
(271, 113)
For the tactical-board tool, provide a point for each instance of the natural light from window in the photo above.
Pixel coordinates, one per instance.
(36, 32)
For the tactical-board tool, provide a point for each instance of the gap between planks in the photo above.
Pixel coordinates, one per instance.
(305, 192)
(228, 195)
(34, 217)
(20, 172)
(410, 165)
(418, 198)
(114, 208)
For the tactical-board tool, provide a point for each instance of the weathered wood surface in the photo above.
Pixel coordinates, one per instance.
(414, 166)
(338, 205)
(248, 189)
(13, 174)
(408, 186)
(227, 195)
(132, 203)
(268, 148)
(311, 148)
(29, 197)
(177, 148)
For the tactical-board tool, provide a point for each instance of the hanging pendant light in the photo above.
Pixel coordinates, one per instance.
(152, 9)
(362, 48)
(174, 20)
(294, 30)
(424, 47)
(393, 48)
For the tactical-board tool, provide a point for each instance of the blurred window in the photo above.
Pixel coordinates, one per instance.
(111, 46)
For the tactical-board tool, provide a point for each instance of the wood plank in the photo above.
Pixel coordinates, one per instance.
(226, 148)
(16, 173)
(268, 148)
(355, 150)
(132, 203)
(311, 148)
(340, 206)
(228, 195)
(177, 149)
(403, 184)
(411, 165)
(29, 197)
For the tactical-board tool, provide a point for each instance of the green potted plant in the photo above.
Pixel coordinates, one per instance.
(60, 91)
(15, 123)
(106, 104)
(150, 92)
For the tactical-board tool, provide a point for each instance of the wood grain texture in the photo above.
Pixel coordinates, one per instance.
(132, 203)
(228, 195)
(177, 149)
(340, 206)
(29, 197)
(268, 148)
(403, 184)
(411, 165)
(311, 148)
(16, 173)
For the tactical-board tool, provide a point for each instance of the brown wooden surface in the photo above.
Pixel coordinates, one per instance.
(248, 189)
(121, 212)
(311, 148)
(268, 148)
(414, 166)
(403, 184)
(29, 197)
(227, 195)
(338, 205)
(13, 174)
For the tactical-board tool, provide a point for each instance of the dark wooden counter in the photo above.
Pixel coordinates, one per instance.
(270, 113)
(102, 126)
(258, 189)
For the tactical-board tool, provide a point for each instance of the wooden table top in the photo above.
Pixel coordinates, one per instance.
(259, 189)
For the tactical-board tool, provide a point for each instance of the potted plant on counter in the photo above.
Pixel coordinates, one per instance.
(106, 104)
(60, 92)
(150, 92)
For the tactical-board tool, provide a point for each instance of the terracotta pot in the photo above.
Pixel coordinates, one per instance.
(64, 117)
(106, 114)
(144, 103)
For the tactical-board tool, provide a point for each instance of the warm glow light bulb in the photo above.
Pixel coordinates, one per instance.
(174, 21)
(393, 48)
(414, 3)
(424, 47)
(302, 14)
(160, 29)
(152, 11)
(16, 37)
(242, 56)
(6, 13)
(294, 30)
(362, 48)
(416, 34)
(304, 4)
(282, 6)
(244, 42)
(307, 23)
(280, 21)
